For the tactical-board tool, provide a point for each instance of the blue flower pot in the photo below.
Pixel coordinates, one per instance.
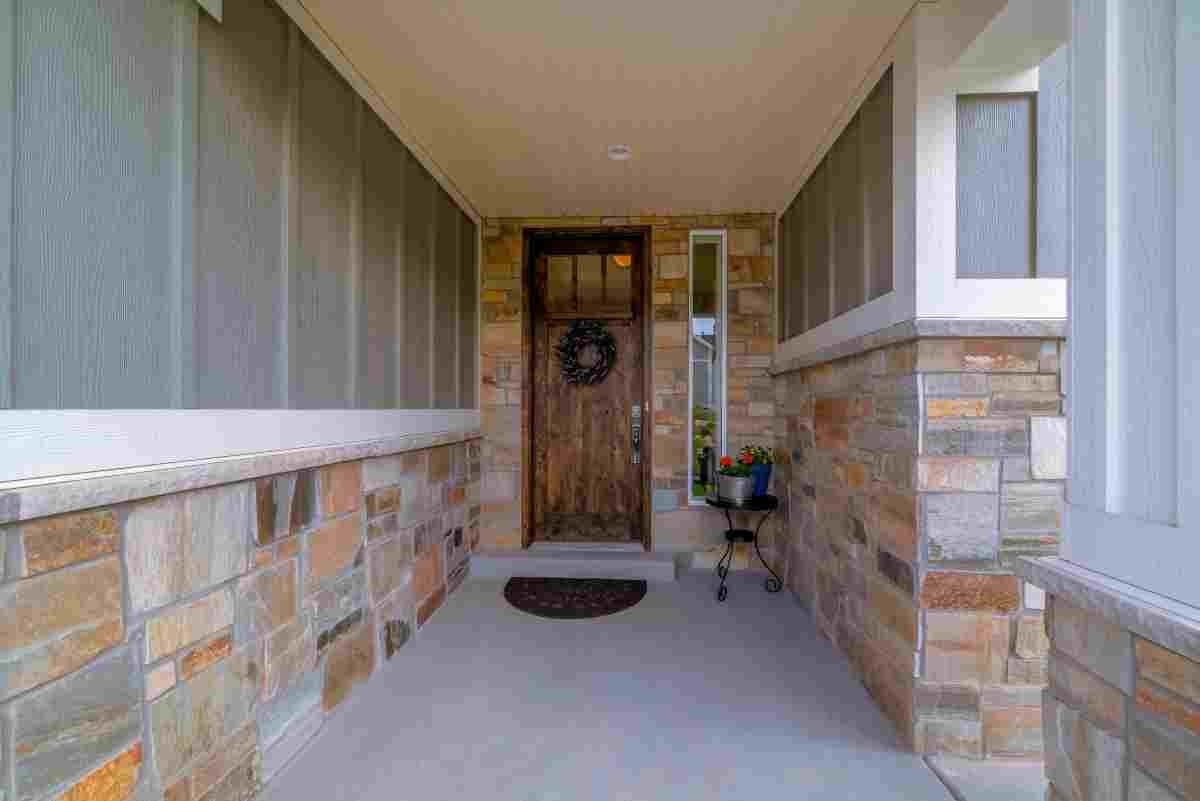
(761, 473)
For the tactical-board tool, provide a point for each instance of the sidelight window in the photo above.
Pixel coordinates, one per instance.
(706, 358)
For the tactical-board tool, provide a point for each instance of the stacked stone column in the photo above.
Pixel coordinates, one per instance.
(917, 473)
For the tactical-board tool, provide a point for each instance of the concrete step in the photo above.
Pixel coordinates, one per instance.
(630, 547)
(574, 562)
(991, 779)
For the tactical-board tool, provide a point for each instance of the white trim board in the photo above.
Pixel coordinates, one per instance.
(1132, 375)
(51, 445)
(1145, 554)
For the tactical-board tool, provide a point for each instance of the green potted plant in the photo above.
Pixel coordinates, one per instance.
(761, 460)
(704, 426)
(734, 481)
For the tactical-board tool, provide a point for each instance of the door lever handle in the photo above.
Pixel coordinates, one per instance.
(636, 426)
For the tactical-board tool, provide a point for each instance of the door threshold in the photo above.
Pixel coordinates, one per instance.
(552, 545)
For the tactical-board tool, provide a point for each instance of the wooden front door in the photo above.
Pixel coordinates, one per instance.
(587, 477)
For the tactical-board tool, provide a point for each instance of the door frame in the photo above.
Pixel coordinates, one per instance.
(531, 236)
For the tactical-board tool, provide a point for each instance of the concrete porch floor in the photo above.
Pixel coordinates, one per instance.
(677, 698)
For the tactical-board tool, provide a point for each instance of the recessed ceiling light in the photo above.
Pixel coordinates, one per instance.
(620, 152)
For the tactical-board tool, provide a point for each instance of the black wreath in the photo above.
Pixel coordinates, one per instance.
(582, 334)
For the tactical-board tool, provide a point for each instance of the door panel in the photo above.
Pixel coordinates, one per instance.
(586, 486)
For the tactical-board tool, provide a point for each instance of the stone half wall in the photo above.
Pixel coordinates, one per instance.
(750, 344)
(183, 647)
(1122, 710)
(916, 473)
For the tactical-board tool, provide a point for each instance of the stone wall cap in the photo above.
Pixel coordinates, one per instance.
(926, 328)
(27, 501)
(1169, 623)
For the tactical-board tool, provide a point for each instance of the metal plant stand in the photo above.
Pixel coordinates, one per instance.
(765, 504)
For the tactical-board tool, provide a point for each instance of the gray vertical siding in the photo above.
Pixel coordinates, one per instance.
(846, 184)
(818, 260)
(997, 178)
(241, 113)
(877, 183)
(383, 173)
(319, 267)
(207, 215)
(418, 287)
(838, 229)
(8, 44)
(783, 323)
(794, 282)
(1054, 165)
(94, 115)
(445, 303)
(468, 312)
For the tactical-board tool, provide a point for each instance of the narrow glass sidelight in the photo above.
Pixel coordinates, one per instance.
(706, 359)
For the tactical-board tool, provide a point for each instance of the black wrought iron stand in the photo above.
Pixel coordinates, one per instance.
(765, 504)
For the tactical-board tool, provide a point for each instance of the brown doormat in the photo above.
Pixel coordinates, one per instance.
(573, 598)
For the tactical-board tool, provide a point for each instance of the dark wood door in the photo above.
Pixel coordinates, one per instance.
(587, 482)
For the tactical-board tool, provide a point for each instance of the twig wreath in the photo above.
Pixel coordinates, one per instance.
(582, 335)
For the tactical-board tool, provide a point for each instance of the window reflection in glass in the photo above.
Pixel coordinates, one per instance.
(705, 352)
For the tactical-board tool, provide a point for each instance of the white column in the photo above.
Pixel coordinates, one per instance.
(1134, 448)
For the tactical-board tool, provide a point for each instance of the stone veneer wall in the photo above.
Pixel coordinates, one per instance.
(916, 473)
(183, 647)
(750, 343)
(1122, 712)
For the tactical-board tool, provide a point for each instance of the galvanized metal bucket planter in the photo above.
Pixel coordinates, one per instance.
(735, 489)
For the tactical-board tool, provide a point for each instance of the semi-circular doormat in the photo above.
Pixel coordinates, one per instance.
(573, 598)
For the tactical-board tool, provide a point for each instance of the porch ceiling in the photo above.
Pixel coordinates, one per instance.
(722, 102)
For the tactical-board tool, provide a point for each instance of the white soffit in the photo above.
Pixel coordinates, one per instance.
(721, 103)
(1020, 37)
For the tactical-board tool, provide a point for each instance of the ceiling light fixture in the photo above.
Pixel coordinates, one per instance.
(620, 152)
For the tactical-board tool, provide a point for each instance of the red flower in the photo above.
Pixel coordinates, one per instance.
(747, 458)
(726, 461)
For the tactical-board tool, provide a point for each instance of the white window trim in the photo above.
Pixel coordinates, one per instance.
(722, 348)
(939, 291)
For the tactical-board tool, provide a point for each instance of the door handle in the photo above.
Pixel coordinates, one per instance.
(636, 417)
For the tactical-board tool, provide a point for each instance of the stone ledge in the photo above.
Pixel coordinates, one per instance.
(30, 501)
(927, 328)
(1169, 623)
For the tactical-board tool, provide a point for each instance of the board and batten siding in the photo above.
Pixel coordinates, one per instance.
(996, 180)
(836, 235)
(205, 214)
(92, 100)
